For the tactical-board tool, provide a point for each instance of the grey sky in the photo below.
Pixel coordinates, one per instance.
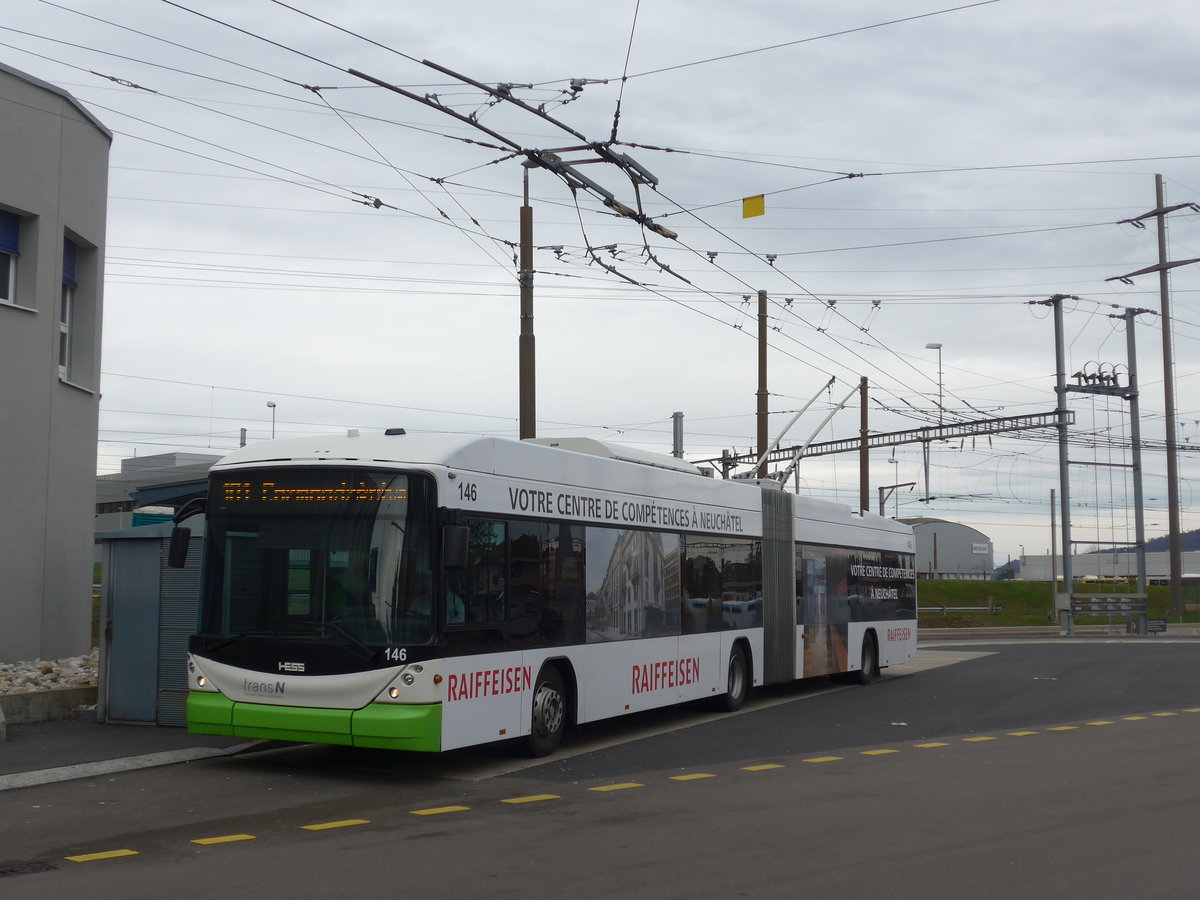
(998, 145)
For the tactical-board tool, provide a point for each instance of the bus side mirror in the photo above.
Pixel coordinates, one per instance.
(178, 550)
(455, 540)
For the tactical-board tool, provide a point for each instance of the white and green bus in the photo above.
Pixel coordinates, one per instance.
(428, 592)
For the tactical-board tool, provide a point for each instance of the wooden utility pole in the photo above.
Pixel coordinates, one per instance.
(864, 456)
(1053, 563)
(527, 382)
(1174, 542)
(762, 383)
(1174, 545)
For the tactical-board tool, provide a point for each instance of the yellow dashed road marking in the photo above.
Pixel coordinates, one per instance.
(110, 854)
(622, 786)
(344, 823)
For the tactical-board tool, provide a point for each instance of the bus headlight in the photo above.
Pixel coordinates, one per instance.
(413, 684)
(197, 680)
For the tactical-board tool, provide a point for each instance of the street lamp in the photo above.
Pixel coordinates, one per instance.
(938, 348)
(271, 406)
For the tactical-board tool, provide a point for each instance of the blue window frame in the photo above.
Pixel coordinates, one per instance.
(10, 247)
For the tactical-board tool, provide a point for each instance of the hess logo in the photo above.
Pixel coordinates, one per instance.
(291, 667)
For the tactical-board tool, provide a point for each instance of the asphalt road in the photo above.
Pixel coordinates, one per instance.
(1059, 769)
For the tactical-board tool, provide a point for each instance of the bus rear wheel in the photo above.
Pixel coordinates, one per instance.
(870, 662)
(738, 684)
(549, 719)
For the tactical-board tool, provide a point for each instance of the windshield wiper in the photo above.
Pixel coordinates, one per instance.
(226, 643)
(362, 648)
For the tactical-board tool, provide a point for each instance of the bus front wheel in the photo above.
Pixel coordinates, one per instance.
(549, 719)
(738, 684)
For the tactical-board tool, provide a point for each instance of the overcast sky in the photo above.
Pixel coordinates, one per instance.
(999, 145)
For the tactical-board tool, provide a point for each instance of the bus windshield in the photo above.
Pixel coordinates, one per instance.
(321, 554)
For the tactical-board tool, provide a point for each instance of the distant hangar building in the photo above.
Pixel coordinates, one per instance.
(950, 550)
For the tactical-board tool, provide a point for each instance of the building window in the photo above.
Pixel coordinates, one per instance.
(10, 246)
(66, 310)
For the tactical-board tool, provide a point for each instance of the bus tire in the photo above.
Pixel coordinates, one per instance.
(738, 681)
(549, 718)
(870, 662)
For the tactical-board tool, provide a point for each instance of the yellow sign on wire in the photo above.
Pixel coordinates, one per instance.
(753, 206)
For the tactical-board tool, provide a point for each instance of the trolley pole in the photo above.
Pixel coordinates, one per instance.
(525, 347)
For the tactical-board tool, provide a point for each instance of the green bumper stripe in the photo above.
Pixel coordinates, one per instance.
(209, 713)
(292, 723)
(395, 727)
(384, 725)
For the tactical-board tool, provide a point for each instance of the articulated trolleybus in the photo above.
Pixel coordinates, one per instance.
(429, 592)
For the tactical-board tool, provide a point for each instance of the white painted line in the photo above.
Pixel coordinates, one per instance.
(106, 767)
(927, 659)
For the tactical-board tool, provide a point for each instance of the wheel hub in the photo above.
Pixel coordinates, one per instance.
(547, 710)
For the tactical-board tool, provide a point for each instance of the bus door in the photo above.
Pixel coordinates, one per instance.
(813, 613)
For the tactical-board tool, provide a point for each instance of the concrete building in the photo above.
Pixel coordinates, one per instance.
(950, 550)
(53, 195)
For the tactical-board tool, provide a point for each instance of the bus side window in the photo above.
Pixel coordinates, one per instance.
(562, 563)
(524, 601)
(487, 567)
